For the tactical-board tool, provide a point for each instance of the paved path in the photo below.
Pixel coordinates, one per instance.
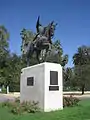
(81, 97)
(84, 97)
(5, 98)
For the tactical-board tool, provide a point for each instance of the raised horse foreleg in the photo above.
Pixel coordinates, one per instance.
(37, 55)
(47, 50)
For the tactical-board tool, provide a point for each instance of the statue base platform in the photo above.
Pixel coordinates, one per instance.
(42, 83)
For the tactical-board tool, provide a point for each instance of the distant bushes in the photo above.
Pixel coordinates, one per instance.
(70, 101)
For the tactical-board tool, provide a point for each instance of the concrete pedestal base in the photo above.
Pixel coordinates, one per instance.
(42, 83)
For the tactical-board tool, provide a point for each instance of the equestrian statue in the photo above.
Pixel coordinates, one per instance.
(42, 41)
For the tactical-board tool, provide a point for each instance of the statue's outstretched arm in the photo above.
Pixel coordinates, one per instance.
(37, 24)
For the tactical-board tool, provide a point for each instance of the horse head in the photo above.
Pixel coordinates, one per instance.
(52, 28)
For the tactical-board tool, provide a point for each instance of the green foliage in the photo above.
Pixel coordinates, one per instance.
(64, 60)
(82, 57)
(21, 108)
(17, 100)
(70, 101)
(81, 68)
(77, 78)
(67, 77)
(26, 36)
(10, 64)
(6, 104)
(10, 74)
(14, 76)
(80, 112)
(4, 51)
(56, 55)
(32, 107)
(4, 90)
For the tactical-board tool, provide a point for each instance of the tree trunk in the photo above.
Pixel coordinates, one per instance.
(83, 87)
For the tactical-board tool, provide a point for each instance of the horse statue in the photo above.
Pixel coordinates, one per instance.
(42, 41)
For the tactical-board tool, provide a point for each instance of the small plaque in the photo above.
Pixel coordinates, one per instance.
(53, 88)
(53, 78)
(30, 81)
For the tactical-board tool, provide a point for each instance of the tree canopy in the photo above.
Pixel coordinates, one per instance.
(81, 61)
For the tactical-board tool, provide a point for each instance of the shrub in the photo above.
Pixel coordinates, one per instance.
(30, 107)
(20, 108)
(16, 109)
(17, 100)
(70, 101)
(6, 104)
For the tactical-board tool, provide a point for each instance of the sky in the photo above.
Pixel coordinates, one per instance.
(72, 16)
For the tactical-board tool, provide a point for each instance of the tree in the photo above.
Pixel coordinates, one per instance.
(56, 55)
(4, 51)
(67, 77)
(15, 67)
(10, 64)
(26, 37)
(12, 71)
(81, 62)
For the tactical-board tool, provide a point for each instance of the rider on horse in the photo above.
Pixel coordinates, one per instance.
(41, 42)
(42, 33)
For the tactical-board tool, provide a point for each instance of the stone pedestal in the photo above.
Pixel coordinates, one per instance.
(42, 83)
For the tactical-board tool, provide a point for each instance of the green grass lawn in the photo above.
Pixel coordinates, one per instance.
(81, 112)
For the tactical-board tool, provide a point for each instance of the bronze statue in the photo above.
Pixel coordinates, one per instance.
(42, 41)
